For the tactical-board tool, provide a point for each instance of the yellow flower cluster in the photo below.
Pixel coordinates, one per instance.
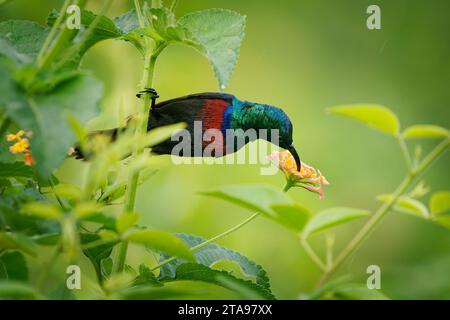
(308, 177)
(21, 145)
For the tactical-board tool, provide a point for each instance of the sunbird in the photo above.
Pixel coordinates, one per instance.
(219, 111)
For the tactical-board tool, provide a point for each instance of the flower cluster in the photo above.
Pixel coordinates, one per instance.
(308, 177)
(21, 145)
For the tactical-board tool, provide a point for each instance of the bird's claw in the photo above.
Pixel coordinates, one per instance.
(150, 91)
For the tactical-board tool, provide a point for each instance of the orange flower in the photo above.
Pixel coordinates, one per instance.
(28, 159)
(15, 137)
(21, 145)
(308, 177)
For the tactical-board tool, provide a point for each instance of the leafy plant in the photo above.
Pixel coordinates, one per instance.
(46, 97)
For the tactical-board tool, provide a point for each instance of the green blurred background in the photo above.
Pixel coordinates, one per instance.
(303, 56)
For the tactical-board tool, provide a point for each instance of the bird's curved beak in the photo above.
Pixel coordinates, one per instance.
(294, 153)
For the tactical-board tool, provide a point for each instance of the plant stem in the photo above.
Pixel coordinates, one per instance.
(52, 33)
(312, 254)
(219, 236)
(173, 5)
(213, 239)
(383, 210)
(58, 44)
(137, 7)
(130, 196)
(405, 152)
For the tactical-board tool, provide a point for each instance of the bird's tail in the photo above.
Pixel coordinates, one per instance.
(76, 151)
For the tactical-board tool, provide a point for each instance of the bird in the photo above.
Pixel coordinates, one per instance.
(221, 112)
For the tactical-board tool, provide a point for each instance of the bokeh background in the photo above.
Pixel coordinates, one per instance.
(303, 56)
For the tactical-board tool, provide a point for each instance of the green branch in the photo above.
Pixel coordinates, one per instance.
(150, 57)
(383, 210)
(312, 254)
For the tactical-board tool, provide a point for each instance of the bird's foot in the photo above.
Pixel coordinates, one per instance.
(150, 91)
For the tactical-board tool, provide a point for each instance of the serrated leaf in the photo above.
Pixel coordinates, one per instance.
(331, 217)
(45, 115)
(127, 22)
(199, 272)
(42, 210)
(258, 197)
(162, 241)
(408, 205)
(375, 116)
(211, 254)
(146, 276)
(219, 32)
(292, 216)
(358, 292)
(129, 27)
(126, 221)
(423, 131)
(15, 169)
(14, 265)
(21, 40)
(440, 202)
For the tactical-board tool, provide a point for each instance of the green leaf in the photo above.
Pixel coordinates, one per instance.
(293, 216)
(375, 116)
(331, 217)
(219, 33)
(358, 292)
(17, 290)
(45, 115)
(440, 202)
(258, 197)
(14, 266)
(15, 169)
(127, 22)
(211, 254)
(162, 241)
(443, 220)
(425, 131)
(408, 205)
(48, 239)
(68, 191)
(146, 276)
(150, 292)
(106, 221)
(161, 134)
(42, 210)
(199, 272)
(130, 29)
(21, 40)
(11, 202)
(126, 221)
(103, 30)
(17, 241)
(98, 253)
